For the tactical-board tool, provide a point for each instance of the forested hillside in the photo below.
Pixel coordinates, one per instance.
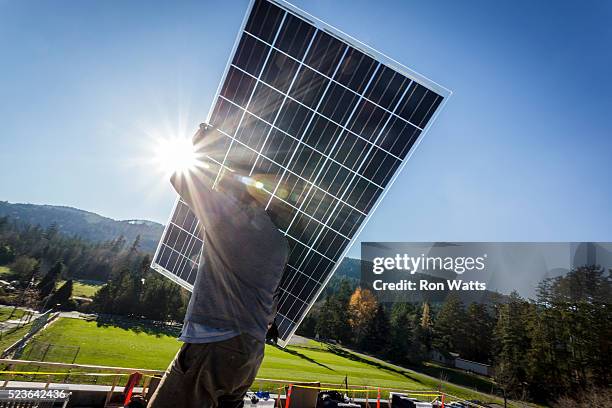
(84, 224)
(36, 260)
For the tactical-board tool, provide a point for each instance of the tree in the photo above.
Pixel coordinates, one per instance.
(61, 296)
(478, 342)
(48, 282)
(424, 331)
(340, 309)
(135, 247)
(512, 342)
(308, 327)
(449, 328)
(570, 331)
(52, 231)
(7, 254)
(426, 317)
(24, 266)
(332, 322)
(361, 310)
(326, 321)
(405, 345)
(378, 333)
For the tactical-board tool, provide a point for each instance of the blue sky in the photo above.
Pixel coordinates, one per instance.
(522, 150)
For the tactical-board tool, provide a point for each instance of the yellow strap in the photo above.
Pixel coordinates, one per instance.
(64, 373)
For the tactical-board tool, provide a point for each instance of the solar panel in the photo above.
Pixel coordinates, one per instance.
(325, 124)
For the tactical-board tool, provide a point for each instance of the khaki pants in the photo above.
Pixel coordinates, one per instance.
(210, 375)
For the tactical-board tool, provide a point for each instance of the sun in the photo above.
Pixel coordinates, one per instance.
(175, 154)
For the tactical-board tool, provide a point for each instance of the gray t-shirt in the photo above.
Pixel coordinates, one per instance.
(242, 262)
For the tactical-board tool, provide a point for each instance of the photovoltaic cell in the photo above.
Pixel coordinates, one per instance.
(325, 123)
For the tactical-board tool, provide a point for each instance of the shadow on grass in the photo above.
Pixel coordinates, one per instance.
(458, 377)
(453, 376)
(157, 329)
(302, 356)
(355, 357)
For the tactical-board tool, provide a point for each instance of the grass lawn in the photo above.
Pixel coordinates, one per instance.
(5, 313)
(4, 270)
(115, 346)
(83, 288)
(9, 337)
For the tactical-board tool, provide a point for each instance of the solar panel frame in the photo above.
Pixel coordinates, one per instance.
(381, 63)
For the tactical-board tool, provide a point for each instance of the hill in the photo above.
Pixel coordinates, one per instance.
(85, 224)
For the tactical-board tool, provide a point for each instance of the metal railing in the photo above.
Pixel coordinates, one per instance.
(11, 369)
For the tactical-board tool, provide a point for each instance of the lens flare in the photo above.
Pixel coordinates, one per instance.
(175, 154)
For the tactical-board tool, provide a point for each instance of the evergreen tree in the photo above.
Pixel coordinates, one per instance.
(326, 321)
(48, 282)
(308, 328)
(512, 338)
(52, 231)
(449, 327)
(333, 323)
(135, 247)
(402, 333)
(378, 333)
(61, 297)
(7, 254)
(478, 342)
(340, 309)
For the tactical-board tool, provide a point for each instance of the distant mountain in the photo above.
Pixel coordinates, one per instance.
(85, 224)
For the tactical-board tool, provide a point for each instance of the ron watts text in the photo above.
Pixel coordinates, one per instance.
(424, 284)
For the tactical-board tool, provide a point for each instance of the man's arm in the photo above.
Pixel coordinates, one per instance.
(193, 184)
(193, 191)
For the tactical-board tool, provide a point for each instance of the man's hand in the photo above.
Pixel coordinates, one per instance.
(200, 141)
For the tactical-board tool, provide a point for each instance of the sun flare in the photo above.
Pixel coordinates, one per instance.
(175, 154)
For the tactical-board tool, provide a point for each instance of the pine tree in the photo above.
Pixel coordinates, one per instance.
(61, 297)
(332, 322)
(449, 328)
(512, 343)
(7, 254)
(478, 334)
(325, 324)
(135, 247)
(378, 333)
(340, 307)
(48, 282)
(52, 231)
(402, 332)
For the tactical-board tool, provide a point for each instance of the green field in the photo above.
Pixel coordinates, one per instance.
(5, 313)
(116, 346)
(83, 288)
(4, 270)
(8, 337)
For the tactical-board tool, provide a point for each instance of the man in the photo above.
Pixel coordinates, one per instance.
(232, 304)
